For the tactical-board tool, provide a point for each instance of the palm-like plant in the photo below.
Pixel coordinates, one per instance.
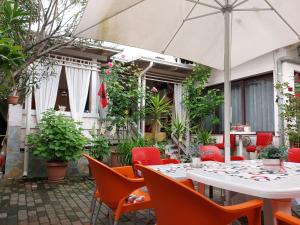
(156, 107)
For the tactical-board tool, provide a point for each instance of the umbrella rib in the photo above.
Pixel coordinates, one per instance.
(240, 3)
(109, 17)
(219, 3)
(234, 3)
(254, 9)
(204, 4)
(201, 16)
(281, 17)
(186, 18)
(174, 35)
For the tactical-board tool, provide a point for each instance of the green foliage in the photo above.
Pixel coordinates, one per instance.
(289, 105)
(99, 147)
(200, 103)
(58, 139)
(124, 94)
(11, 58)
(178, 128)
(156, 107)
(272, 152)
(124, 148)
(204, 137)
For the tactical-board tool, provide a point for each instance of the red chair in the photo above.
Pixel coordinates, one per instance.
(149, 156)
(294, 155)
(175, 204)
(285, 219)
(213, 153)
(232, 142)
(262, 140)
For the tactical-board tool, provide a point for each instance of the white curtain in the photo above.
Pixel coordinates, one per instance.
(78, 80)
(45, 95)
(180, 111)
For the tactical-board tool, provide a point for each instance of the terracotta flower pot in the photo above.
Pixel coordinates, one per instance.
(13, 99)
(56, 171)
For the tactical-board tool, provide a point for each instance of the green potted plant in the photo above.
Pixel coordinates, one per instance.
(273, 157)
(99, 149)
(156, 108)
(204, 137)
(58, 141)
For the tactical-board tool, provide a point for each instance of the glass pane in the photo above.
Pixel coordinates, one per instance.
(259, 104)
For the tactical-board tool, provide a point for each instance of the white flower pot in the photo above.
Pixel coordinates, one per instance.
(272, 164)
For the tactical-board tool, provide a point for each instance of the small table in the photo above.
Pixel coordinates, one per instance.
(241, 134)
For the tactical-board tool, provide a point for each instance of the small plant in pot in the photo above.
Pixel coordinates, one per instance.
(273, 157)
(99, 149)
(58, 141)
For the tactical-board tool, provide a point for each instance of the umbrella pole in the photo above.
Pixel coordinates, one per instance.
(227, 91)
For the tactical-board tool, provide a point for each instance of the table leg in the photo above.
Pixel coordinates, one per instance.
(240, 152)
(273, 205)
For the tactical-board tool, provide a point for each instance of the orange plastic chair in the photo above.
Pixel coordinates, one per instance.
(294, 155)
(285, 219)
(213, 153)
(114, 185)
(151, 156)
(176, 204)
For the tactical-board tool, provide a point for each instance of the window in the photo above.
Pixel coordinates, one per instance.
(252, 102)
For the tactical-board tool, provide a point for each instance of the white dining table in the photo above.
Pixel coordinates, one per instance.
(246, 177)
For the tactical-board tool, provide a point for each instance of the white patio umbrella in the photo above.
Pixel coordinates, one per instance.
(217, 33)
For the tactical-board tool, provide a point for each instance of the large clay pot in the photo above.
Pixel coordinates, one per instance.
(13, 99)
(56, 171)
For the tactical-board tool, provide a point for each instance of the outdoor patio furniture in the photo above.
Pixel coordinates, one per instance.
(262, 140)
(213, 153)
(285, 219)
(151, 156)
(294, 155)
(250, 178)
(120, 179)
(232, 142)
(191, 207)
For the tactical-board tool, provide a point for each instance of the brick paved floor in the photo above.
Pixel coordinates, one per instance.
(39, 202)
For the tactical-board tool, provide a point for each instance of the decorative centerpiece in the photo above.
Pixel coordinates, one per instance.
(273, 157)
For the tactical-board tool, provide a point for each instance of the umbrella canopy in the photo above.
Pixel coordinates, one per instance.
(217, 33)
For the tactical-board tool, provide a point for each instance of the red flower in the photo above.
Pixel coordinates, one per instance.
(110, 64)
(154, 90)
(107, 72)
(290, 89)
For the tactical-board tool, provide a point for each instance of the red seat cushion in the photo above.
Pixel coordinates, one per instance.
(251, 148)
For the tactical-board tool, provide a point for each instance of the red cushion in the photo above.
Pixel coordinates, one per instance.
(220, 145)
(251, 148)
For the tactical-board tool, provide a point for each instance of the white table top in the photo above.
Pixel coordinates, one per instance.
(280, 186)
(175, 171)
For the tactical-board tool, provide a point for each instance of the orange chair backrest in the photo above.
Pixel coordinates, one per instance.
(176, 204)
(294, 155)
(285, 219)
(264, 138)
(111, 185)
(211, 153)
(146, 155)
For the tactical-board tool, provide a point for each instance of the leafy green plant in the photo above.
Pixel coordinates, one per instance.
(99, 147)
(124, 148)
(289, 105)
(200, 102)
(178, 128)
(124, 94)
(272, 152)
(204, 137)
(156, 107)
(58, 139)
